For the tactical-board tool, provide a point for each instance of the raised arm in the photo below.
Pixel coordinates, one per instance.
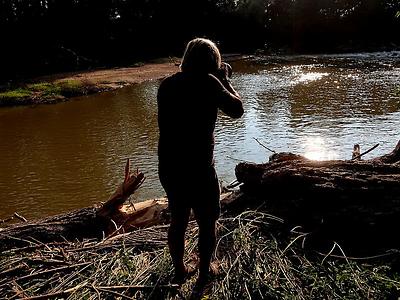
(228, 98)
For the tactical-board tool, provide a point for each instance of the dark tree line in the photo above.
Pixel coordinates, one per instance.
(332, 25)
(44, 36)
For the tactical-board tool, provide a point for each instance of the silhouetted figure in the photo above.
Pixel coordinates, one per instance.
(188, 104)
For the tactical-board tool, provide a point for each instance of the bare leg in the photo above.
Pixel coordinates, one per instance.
(207, 242)
(176, 242)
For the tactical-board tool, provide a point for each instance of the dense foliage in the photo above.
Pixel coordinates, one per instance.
(42, 36)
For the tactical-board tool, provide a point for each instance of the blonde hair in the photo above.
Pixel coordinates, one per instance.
(201, 56)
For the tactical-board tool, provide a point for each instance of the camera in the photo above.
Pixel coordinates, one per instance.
(227, 68)
(224, 72)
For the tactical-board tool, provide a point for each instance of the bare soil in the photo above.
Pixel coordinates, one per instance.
(118, 77)
(60, 87)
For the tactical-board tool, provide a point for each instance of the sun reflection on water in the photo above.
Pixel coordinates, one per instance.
(305, 74)
(317, 148)
(311, 76)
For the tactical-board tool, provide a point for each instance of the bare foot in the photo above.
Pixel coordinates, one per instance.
(204, 281)
(181, 277)
(202, 286)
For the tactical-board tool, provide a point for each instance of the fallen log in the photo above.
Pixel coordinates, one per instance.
(103, 221)
(296, 176)
(358, 197)
(91, 222)
(361, 195)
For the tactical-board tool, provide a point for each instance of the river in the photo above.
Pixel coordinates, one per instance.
(55, 158)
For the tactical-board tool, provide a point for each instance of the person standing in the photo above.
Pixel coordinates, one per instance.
(188, 103)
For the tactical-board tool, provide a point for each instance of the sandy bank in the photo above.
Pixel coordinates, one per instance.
(60, 87)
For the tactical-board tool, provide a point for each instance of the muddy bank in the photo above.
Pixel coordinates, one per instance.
(60, 87)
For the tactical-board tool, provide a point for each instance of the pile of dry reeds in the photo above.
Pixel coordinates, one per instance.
(256, 257)
(84, 269)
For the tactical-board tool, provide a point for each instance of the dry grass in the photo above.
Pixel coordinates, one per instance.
(257, 260)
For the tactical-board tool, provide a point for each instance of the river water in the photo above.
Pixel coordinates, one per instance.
(55, 158)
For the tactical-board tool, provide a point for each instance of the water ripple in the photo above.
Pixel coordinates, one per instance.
(62, 157)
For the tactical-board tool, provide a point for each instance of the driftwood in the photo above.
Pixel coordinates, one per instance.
(358, 197)
(289, 175)
(91, 222)
(104, 221)
(354, 196)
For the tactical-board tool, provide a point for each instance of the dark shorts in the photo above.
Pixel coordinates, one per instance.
(199, 192)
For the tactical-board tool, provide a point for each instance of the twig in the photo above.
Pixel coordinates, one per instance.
(233, 264)
(351, 268)
(18, 216)
(247, 290)
(237, 159)
(96, 290)
(114, 293)
(18, 239)
(35, 247)
(262, 145)
(15, 215)
(329, 253)
(52, 271)
(40, 243)
(18, 290)
(137, 287)
(233, 184)
(369, 150)
(12, 270)
(48, 261)
(67, 279)
(56, 294)
(378, 256)
(7, 220)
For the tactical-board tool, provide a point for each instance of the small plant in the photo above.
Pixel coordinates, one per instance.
(69, 88)
(45, 89)
(44, 92)
(15, 94)
(15, 97)
(39, 87)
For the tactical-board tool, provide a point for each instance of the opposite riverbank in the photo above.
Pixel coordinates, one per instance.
(56, 88)
(61, 87)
